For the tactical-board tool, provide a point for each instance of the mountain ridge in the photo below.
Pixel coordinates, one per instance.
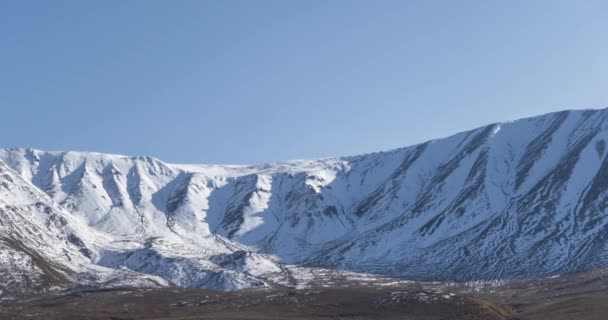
(516, 199)
(264, 163)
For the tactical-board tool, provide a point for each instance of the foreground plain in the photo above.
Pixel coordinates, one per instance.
(577, 296)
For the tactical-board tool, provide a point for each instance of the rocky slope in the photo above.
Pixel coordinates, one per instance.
(509, 200)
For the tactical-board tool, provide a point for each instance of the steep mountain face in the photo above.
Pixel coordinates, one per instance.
(39, 247)
(510, 200)
(112, 221)
(42, 246)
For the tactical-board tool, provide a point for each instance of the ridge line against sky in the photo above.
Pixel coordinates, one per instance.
(262, 81)
(318, 158)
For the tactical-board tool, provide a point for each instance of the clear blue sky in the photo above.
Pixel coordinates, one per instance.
(254, 81)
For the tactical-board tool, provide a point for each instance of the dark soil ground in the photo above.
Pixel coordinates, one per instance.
(339, 303)
(580, 297)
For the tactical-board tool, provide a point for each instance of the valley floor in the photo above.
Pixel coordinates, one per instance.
(339, 303)
(578, 296)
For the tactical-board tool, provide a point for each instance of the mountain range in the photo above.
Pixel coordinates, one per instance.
(513, 200)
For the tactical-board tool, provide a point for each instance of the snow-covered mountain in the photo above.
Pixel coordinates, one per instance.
(37, 241)
(43, 246)
(520, 199)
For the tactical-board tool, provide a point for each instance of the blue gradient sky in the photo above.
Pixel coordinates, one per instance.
(254, 81)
